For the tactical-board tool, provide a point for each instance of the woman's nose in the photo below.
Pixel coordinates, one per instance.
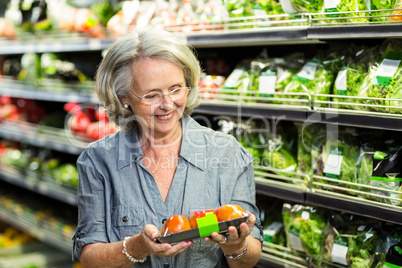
(166, 101)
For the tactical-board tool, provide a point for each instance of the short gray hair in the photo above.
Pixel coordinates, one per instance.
(114, 77)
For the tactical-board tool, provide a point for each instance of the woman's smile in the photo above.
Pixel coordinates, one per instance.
(165, 116)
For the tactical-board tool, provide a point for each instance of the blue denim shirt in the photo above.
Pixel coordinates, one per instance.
(118, 196)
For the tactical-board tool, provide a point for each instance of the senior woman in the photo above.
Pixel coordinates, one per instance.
(161, 163)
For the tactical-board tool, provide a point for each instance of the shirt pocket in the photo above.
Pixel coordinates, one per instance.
(127, 220)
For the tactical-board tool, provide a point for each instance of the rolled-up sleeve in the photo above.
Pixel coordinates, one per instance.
(91, 205)
(244, 189)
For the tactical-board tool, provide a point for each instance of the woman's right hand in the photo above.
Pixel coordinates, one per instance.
(148, 240)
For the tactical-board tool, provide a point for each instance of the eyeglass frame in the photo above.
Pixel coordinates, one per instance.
(161, 93)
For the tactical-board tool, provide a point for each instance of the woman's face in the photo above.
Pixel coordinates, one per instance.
(152, 75)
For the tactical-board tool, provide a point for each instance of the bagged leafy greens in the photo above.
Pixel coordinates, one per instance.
(317, 76)
(382, 170)
(378, 5)
(305, 228)
(306, 134)
(271, 219)
(351, 76)
(277, 155)
(273, 74)
(384, 79)
(335, 157)
(238, 82)
(308, 6)
(352, 241)
(347, 6)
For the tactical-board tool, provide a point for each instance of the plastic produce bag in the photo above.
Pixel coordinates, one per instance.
(308, 6)
(347, 6)
(306, 134)
(270, 75)
(384, 79)
(336, 158)
(352, 241)
(381, 4)
(238, 82)
(305, 227)
(271, 219)
(351, 76)
(383, 170)
(316, 77)
(278, 156)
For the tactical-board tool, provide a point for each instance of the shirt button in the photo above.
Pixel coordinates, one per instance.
(163, 221)
(124, 219)
(166, 265)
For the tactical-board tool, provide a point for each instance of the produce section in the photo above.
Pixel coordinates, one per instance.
(296, 79)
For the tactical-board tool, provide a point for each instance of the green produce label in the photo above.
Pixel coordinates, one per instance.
(207, 222)
(375, 178)
(379, 155)
(390, 265)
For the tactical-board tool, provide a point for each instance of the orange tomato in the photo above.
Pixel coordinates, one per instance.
(175, 224)
(229, 212)
(193, 221)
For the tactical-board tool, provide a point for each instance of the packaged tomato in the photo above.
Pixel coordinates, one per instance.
(201, 223)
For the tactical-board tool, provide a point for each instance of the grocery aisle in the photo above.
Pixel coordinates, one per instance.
(315, 97)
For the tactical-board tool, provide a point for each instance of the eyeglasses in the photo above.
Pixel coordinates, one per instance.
(155, 97)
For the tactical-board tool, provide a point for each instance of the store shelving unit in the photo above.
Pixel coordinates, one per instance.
(304, 33)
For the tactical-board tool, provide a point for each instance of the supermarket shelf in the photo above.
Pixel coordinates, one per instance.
(259, 30)
(248, 110)
(326, 116)
(33, 183)
(53, 44)
(32, 93)
(332, 194)
(35, 135)
(354, 31)
(280, 257)
(39, 232)
(379, 121)
(250, 37)
(354, 207)
(279, 190)
(49, 90)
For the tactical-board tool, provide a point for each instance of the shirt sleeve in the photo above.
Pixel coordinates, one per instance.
(91, 226)
(244, 193)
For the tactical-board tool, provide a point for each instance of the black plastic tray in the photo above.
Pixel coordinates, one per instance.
(193, 234)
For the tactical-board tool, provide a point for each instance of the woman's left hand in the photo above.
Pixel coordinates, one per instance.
(233, 240)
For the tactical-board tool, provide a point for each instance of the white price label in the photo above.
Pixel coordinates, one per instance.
(339, 253)
(340, 82)
(308, 70)
(267, 84)
(388, 68)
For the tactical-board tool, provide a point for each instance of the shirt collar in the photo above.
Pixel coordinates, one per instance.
(193, 146)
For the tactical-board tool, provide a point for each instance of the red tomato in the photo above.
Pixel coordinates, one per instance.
(175, 224)
(229, 212)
